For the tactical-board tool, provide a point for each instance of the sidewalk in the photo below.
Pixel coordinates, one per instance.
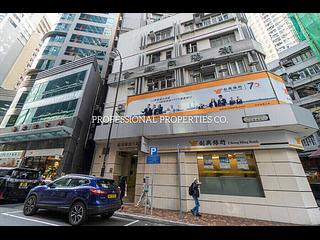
(189, 219)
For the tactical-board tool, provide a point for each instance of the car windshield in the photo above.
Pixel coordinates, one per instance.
(105, 183)
(4, 172)
(25, 174)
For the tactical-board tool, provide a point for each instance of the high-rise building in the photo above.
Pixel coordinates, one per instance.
(307, 28)
(194, 66)
(15, 32)
(73, 36)
(27, 55)
(300, 69)
(274, 31)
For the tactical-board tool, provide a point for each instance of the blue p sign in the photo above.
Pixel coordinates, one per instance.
(153, 151)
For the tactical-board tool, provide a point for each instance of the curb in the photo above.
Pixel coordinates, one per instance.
(152, 219)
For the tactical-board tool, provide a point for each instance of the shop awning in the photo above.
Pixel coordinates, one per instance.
(36, 134)
(315, 154)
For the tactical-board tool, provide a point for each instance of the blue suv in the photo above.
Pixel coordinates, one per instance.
(76, 194)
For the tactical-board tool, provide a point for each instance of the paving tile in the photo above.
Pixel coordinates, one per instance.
(205, 219)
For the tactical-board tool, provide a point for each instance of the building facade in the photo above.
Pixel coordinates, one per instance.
(74, 36)
(27, 55)
(15, 32)
(207, 65)
(274, 31)
(300, 69)
(51, 131)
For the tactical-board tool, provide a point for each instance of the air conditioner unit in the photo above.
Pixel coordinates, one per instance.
(131, 86)
(121, 108)
(294, 76)
(287, 63)
(152, 35)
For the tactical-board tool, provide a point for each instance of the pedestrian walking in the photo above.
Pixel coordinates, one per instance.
(194, 192)
(144, 194)
(123, 187)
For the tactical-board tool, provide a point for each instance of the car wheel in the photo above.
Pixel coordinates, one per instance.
(30, 206)
(77, 214)
(107, 215)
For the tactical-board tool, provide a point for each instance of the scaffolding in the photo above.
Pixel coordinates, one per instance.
(307, 26)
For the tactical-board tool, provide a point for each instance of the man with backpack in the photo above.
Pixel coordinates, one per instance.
(194, 192)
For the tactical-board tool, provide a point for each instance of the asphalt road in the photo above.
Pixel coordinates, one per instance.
(11, 215)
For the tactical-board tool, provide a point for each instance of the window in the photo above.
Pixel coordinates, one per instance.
(12, 23)
(188, 27)
(62, 85)
(48, 112)
(92, 18)
(168, 54)
(83, 52)
(160, 82)
(62, 27)
(89, 40)
(44, 64)
(77, 182)
(67, 16)
(222, 40)
(57, 38)
(51, 50)
(191, 47)
(229, 173)
(4, 106)
(61, 182)
(64, 61)
(154, 57)
(105, 183)
(90, 28)
(22, 99)
(12, 120)
(162, 35)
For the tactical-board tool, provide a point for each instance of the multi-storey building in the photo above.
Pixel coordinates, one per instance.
(52, 129)
(300, 68)
(75, 35)
(206, 65)
(27, 55)
(63, 100)
(274, 31)
(15, 32)
(6, 97)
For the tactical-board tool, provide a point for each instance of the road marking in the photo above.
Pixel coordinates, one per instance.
(121, 218)
(14, 212)
(132, 223)
(32, 220)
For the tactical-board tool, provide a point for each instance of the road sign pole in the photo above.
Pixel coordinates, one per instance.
(152, 189)
(179, 182)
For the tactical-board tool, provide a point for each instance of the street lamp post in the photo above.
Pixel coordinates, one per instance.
(113, 54)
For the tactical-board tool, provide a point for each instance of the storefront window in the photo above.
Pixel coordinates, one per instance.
(229, 173)
(48, 165)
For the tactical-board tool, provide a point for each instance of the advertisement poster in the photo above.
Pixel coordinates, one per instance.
(224, 162)
(242, 162)
(249, 90)
(9, 162)
(207, 162)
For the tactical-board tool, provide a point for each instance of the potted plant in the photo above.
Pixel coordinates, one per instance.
(47, 124)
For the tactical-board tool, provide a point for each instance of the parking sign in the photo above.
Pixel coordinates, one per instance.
(153, 151)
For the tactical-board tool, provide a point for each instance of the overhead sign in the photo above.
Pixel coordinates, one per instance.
(250, 90)
(252, 140)
(11, 154)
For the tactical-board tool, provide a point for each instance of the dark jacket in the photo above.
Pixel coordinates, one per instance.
(196, 192)
(122, 186)
(222, 102)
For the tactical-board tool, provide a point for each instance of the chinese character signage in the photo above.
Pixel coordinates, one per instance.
(225, 50)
